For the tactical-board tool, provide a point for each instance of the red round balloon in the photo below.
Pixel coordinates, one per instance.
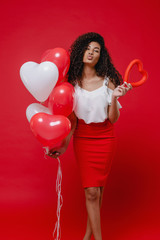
(61, 99)
(60, 57)
(48, 129)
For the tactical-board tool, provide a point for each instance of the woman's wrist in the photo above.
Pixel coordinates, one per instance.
(114, 97)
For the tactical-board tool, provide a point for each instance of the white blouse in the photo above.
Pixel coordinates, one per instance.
(91, 106)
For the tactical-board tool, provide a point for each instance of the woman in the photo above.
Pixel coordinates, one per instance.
(97, 87)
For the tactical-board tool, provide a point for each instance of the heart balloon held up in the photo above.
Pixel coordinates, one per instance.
(140, 69)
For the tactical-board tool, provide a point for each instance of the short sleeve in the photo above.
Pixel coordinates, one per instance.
(110, 91)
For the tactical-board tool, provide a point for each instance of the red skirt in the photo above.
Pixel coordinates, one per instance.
(94, 147)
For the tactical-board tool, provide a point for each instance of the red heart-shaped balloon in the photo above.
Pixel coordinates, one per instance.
(60, 57)
(50, 129)
(140, 69)
(61, 99)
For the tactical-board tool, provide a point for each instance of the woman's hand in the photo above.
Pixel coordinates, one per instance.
(121, 90)
(56, 152)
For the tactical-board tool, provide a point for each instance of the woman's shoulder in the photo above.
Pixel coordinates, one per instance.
(109, 83)
(76, 87)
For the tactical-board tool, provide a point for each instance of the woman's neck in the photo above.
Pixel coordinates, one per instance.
(88, 72)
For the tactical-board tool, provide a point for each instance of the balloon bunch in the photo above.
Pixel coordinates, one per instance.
(47, 81)
(50, 125)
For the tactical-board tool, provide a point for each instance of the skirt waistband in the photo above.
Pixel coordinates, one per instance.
(81, 121)
(94, 130)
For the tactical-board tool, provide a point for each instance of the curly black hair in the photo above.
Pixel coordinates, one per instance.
(104, 67)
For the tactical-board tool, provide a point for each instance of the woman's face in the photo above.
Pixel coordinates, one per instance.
(92, 54)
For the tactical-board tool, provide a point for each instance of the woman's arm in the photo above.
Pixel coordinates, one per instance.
(57, 152)
(73, 119)
(113, 110)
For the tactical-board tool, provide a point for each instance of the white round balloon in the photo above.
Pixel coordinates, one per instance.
(34, 108)
(39, 79)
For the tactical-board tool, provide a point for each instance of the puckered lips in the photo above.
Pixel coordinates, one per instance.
(90, 57)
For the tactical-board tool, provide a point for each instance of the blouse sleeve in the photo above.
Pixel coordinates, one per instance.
(110, 91)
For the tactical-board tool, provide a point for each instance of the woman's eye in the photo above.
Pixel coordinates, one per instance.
(94, 50)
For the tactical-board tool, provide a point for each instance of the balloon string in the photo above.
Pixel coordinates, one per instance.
(46, 151)
(60, 198)
(59, 201)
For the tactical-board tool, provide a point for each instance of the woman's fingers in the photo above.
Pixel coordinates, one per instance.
(127, 85)
(119, 87)
(53, 154)
(121, 90)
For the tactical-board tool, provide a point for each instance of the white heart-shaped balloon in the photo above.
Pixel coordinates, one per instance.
(34, 108)
(39, 79)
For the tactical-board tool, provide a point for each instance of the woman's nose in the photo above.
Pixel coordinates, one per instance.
(91, 52)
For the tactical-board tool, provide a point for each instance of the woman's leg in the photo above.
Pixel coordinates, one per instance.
(88, 233)
(93, 203)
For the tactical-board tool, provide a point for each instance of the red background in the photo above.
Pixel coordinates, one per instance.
(28, 198)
